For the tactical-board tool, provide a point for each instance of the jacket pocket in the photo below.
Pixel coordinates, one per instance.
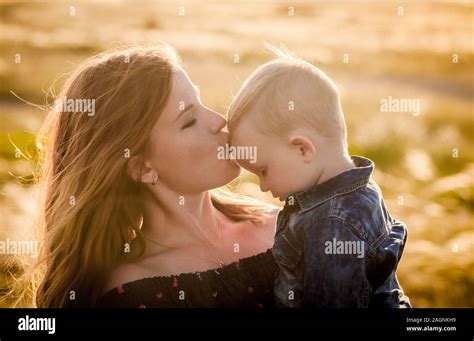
(286, 251)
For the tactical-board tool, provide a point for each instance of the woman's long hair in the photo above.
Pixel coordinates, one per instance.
(90, 208)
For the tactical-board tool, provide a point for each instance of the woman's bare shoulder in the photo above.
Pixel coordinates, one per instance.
(122, 274)
(132, 271)
(259, 236)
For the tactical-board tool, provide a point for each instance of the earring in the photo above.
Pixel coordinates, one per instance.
(155, 179)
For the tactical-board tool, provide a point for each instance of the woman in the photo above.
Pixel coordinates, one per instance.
(128, 215)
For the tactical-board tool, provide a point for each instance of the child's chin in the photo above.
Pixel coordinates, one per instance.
(282, 197)
(279, 197)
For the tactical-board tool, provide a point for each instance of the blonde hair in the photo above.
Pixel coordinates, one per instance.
(286, 93)
(83, 161)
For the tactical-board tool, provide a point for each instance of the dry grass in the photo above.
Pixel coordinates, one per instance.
(406, 56)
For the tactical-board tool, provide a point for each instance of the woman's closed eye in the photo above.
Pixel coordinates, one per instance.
(188, 124)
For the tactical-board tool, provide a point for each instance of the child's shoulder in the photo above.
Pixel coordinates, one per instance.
(364, 210)
(360, 212)
(361, 201)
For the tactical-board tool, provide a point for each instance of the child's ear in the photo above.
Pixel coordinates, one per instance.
(140, 171)
(304, 146)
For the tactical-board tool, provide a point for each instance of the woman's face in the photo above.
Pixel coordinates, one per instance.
(184, 142)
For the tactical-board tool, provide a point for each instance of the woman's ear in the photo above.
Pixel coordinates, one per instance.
(140, 171)
(304, 146)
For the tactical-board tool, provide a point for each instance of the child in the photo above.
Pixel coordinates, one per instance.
(336, 244)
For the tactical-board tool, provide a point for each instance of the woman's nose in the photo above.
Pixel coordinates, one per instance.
(218, 122)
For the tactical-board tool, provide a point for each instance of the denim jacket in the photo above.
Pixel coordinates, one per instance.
(337, 246)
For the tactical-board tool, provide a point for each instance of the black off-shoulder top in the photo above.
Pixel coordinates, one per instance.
(247, 283)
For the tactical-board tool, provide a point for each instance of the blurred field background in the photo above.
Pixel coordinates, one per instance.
(403, 56)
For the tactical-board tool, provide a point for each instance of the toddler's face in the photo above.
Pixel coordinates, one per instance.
(279, 167)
